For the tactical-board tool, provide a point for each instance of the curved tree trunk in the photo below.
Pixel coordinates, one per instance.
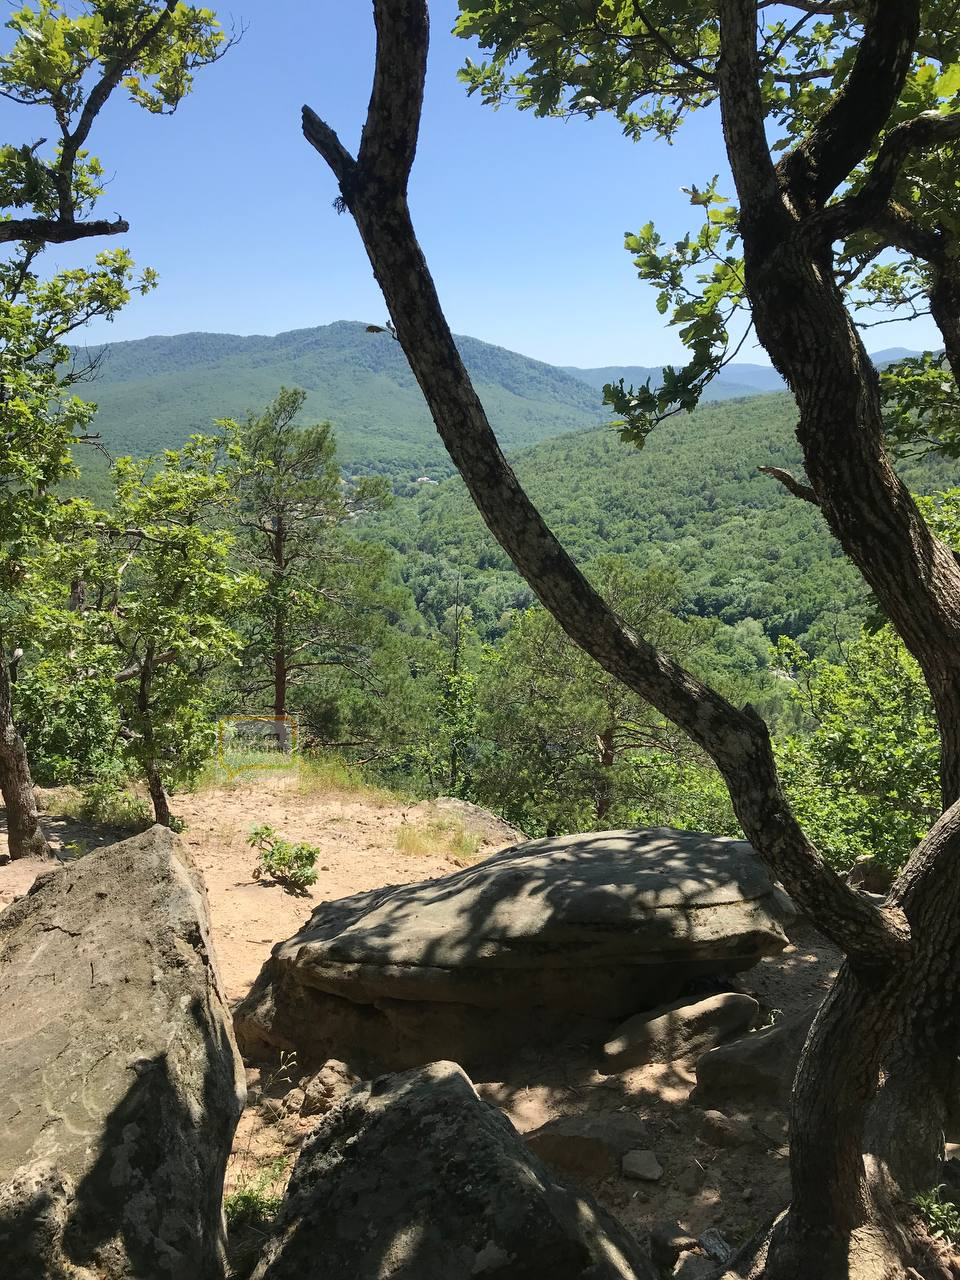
(25, 836)
(900, 985)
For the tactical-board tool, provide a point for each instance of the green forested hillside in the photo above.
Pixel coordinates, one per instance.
(692, 499)
(155, 392)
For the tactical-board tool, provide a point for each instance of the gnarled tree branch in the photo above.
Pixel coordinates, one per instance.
(737, 740)
(845, 133)
(55, 231)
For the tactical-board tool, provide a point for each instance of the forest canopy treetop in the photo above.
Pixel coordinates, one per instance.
(865, 123)
(71, 64)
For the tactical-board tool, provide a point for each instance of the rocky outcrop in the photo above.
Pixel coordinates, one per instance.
(120, 1080)
(414, 1177)
(684, 1029)
(485, 827)
(551, 938)
(756, 1070)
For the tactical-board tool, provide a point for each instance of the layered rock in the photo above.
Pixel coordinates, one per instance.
(684, 1029)
(758, 1069)
(414, 1177)
(550, 938)
(120, 1079)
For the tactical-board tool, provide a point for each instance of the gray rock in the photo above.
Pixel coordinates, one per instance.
(415, 1178)
(552, 938)
(871, 877)
(120, 1080)
(589, 1145)
(684, 1029)
(332, 1082)
(759, 1069)
(718, 1130)
(713, 1243)
(642, 1165)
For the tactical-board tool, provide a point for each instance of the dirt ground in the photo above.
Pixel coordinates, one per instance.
(360, 838)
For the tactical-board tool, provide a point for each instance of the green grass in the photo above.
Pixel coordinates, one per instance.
(257, 1196)
(106, 804)
(436, 839)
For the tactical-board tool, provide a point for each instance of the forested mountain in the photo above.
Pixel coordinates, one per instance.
(692, 500)
(737, 380)
(155, 392)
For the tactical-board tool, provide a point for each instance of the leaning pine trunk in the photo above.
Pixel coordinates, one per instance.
(161, 808)
(151, 769)
(25, 836)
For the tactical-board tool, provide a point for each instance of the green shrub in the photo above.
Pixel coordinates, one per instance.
(292, 865)
(941, 1216)
(256, 1198)
(109, 804)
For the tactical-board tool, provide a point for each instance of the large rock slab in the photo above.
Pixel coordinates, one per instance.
(120, 1083)
(550, 935)
(416, 1178)
(758, 1069)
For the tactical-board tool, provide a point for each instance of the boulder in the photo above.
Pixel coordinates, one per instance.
(120, 1080)
(719, 1130)
(759, 1069)
(870, 876)
(588, 1145)
(414, 1177)
(552, 938)
(684, 1029)
(485, 827)
(332, 1082)
(642, 1165)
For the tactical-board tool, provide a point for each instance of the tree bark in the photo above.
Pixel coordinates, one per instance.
(25, 836)
(151, 766)
(897, 987)
(606, 755)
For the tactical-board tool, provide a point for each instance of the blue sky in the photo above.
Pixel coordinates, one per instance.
(522, 220)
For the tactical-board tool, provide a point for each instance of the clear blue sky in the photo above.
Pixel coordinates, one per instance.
(522, 220)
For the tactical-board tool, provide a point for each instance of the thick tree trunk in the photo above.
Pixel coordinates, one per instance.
(606, 754)
(151, 766)
(25, 836)
(158, 795)
(893, 984)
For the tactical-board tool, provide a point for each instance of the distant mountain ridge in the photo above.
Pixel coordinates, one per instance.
(735, 381)
(154, 392)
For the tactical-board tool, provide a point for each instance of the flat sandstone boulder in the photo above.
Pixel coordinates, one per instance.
(414, 1177)
(546, 938)
(120, 1082)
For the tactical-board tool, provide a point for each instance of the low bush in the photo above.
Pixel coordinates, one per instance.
(292, 865)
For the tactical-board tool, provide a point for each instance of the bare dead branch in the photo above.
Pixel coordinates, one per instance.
(792, 484)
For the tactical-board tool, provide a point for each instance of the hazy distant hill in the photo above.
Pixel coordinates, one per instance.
(154, 392)
(736, 380)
